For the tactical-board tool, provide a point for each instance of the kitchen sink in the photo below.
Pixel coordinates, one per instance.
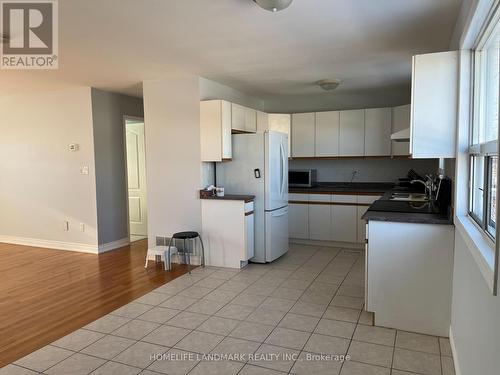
(409, 197)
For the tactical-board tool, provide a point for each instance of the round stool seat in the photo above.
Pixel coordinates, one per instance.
(185, 235)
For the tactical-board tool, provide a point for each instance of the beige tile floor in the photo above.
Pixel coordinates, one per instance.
(295, 315)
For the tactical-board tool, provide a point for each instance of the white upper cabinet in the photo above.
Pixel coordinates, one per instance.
(378, 131)
(262, 121)
(352, 133)
(250, 120)
(303, 134)
(400, 121)
(280, 122)
(243, 119)
(215, 130)
(327, 133)
(434, 105)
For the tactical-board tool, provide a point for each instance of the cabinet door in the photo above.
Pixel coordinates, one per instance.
(249, 237)
(250, 120)
(378, 131)
(210, 130)
(303, 135)
(298, 220)
(434, 105)
(281, 122)
(227, 148)
(327, 133)
(344, 223)
(262, 121)
(238, 117)
(320, 217)
(400, 121)
(352, 133)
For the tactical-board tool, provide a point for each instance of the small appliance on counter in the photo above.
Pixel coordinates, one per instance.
(302, 178)
(211, 191)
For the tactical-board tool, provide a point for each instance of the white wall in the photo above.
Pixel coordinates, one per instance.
(108, 110)
(369, 170)
(40, 183)
(475, 316)
(172, 126)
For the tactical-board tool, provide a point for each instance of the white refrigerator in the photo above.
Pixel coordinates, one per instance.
(259, 166)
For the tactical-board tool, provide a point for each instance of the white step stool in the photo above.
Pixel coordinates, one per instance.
(163, 252)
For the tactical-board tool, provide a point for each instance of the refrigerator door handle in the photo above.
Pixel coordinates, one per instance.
(282, 170)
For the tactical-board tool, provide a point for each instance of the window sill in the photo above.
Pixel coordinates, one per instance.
(480, 246)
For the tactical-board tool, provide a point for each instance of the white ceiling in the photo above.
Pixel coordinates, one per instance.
(116, 44)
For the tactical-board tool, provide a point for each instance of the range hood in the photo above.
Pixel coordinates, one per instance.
(401, 136)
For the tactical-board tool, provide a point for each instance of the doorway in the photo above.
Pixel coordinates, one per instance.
(135, 150)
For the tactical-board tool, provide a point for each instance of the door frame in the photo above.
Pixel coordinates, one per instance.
(125, 119)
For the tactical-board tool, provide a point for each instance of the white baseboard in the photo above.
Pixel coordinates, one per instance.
(113, 245)
(50, 244)
(344, 245)
(454, 354)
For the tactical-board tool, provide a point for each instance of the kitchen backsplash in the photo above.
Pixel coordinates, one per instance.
(369, 170)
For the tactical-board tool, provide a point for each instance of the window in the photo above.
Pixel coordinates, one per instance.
(484, 136)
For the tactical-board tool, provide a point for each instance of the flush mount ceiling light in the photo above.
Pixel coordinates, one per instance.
(329, 84)
(273, 5)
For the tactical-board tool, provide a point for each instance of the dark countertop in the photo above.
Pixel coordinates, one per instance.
(230, 197)
(355, 188)
(406, 212)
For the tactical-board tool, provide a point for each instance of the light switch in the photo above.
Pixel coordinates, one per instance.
(82, 227)
(84, 170)
(65, 226)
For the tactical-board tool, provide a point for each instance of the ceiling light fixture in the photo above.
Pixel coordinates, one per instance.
(329, 84)
(273, 5)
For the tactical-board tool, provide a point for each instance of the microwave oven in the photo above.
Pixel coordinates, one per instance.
(302, 177)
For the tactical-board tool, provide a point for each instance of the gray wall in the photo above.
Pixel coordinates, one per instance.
(475, 316)
(108, 110)
(369, 170)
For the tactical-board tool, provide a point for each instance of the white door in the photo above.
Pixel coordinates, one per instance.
(276, 233)
(352, 133)
(344, 223)
(400, 121)
(320, 217)
(276, 170)
(136, 172)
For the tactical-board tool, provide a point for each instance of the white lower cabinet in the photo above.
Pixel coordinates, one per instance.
(298, 216)
(228, 232)
(320, 217)
(328, 217)
(344, 223)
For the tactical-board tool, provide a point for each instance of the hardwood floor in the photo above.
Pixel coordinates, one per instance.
(46, 294)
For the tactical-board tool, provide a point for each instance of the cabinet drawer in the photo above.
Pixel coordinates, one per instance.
(368, 199)
(298, 197)
(340, 198)
(326, 198)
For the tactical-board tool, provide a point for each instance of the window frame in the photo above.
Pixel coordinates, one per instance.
(478, 147)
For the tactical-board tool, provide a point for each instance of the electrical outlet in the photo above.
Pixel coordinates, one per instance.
(65, 226)
(82, 227)
(84, 170)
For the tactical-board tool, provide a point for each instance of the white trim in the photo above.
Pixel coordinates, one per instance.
(50, 244)
(113, 245)
(480, 247)
(454, 354)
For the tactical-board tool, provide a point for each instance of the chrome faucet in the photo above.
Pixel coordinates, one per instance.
(429, 186)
